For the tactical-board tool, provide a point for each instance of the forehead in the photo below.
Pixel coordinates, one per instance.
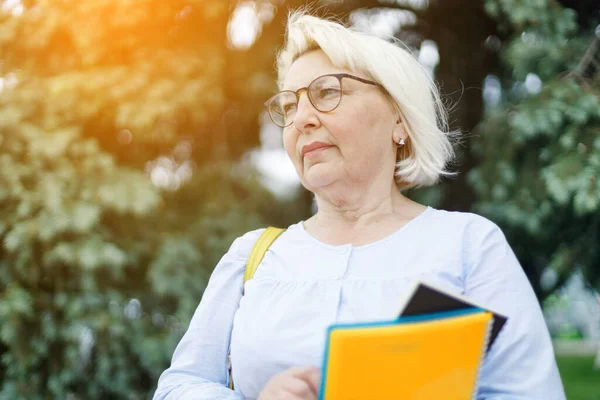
(308, 67)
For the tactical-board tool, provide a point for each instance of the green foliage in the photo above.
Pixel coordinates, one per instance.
(542, 31)
(107, 68)
(137, 75)
(100, 270)
(95, 295)
(540, 153)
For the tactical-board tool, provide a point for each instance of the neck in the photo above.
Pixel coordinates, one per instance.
(360, 216)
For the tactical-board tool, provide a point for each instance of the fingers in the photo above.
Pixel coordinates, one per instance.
(310, 375)
(298, 383)
(301, 372)
(299, 388)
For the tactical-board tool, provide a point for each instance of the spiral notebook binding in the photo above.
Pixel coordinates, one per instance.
(488, 334)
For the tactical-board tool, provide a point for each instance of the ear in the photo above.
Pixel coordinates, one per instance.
(399, 131)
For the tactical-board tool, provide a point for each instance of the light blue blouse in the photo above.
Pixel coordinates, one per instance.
(303, 285)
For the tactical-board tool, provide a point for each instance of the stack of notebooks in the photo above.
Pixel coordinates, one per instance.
(434, 350)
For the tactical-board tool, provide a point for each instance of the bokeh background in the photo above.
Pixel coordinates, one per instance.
(134, 147)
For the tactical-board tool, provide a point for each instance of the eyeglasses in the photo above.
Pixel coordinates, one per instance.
(324, 93)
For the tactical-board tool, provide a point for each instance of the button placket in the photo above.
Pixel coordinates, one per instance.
(346, 253)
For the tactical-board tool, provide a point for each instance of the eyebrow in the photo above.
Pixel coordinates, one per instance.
(295, 88)
(311, 81)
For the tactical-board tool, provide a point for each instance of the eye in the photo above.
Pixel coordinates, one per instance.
(288, 108)
(328, 92)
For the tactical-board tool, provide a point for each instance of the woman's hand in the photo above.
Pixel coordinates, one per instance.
(297, 383)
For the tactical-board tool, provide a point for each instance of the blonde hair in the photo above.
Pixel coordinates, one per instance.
(428, 150)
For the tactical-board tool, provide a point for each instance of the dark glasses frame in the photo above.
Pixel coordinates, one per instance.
(306, 89)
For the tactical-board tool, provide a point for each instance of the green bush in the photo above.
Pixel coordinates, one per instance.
(93, 304)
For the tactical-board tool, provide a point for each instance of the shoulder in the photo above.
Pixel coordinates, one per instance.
(472, 230)
(484, 248)
(466, 221)
(242, 246)
(230, 269)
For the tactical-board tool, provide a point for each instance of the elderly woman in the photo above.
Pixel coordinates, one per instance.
(361, 120)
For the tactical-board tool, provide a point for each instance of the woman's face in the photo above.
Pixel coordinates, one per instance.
(358, 136)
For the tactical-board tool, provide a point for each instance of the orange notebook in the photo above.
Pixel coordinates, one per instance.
(423, 357)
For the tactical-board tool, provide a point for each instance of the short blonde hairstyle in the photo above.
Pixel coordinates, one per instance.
(428, 150)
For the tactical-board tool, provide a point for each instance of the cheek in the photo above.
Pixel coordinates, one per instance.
(354, 130)
(290, 141)
(362, 134)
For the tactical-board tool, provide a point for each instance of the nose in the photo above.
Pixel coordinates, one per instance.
(306, 117)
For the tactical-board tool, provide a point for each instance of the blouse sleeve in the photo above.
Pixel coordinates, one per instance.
(199, 365)
(521, 363)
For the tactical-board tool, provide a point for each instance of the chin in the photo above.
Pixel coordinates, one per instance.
(318, 176)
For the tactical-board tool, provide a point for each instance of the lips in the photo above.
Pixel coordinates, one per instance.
(313, 147)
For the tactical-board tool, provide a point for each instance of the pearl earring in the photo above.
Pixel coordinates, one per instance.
(401, 142)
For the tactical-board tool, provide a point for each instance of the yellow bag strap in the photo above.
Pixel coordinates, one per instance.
(261, 246)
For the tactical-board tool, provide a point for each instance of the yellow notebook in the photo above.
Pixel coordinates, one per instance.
(425, 357)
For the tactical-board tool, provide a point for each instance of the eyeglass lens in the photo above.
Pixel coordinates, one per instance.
(324, 93)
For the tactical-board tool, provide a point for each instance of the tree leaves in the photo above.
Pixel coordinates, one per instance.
(550, 142)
